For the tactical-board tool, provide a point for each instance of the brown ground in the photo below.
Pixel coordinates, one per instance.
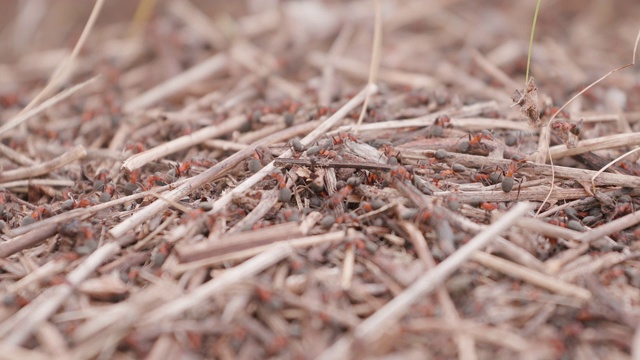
(143, 216)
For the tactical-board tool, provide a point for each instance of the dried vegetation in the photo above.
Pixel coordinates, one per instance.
(209, 195)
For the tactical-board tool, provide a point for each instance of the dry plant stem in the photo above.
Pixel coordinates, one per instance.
(63, 70)
(374, 326)
(531, 276)
(376, 52)
(482, 332)
(635, 345)
(601, 143)
(542, 169)
(609, 228)
(267, 202)
(177, 83)
(336, 236)
(328, 71)
(470, 110)
(184, 142)
(27, 240)
(38, 182)
(359, 69)
(232, 276)
(199, 180)
(237, 242)
(72, 155)
(26, 115)
(83, 212)
(17, 329)
(15, 156)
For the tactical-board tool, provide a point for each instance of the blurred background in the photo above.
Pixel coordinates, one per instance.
(447, 40)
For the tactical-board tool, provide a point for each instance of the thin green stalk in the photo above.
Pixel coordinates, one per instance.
(533, 30)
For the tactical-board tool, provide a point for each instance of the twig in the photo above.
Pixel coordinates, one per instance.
(72, 155)
(531, 276)
(138, 160)
(178, 83)
(26, 115)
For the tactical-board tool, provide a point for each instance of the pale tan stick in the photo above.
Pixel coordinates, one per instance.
(601, 143)
(635, 344)
(201, 294)
(38, 182)
(491, 334)
(306, 241)
(194, 18)
(374, 326)
(17, 328)
(426, 120)
(348, 266)
(359, 69)
(538, 169)
(72, 155)
(177, 83)
(26, 115)
(138, 160)
(328, 71)
(61, 73)
(15, 156)
(488, 67)
(611, 227)
(224, 145)
(531, 276)
(51, 268)
(268, 200)
(376, 54)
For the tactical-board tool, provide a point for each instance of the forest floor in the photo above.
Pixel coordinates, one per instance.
(197, 186)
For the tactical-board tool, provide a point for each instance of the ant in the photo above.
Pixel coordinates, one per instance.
(439, 124)
(400, 172)
(507, 180)
(336, 199)
(340, 138)
(564, 126)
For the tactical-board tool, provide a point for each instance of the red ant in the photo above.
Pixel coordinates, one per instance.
(507, 180)
(340, 138)
(443, 121)
(564, 126)
(336, 199)
(152, 181)
(488, 206)
(400, 172)
(476, 138)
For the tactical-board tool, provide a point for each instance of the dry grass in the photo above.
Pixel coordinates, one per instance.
(198, 186)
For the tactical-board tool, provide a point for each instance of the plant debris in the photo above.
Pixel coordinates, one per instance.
(199, 186)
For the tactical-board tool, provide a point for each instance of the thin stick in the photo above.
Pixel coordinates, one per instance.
(373, 327)
(533, 30)
(177, 83)
(184, 142)
(72, 155)
(376, 52)
(531, 276)
(27, 114)
(61, 72)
